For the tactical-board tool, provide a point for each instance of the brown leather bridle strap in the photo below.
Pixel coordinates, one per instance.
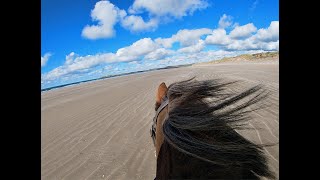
(165, 102)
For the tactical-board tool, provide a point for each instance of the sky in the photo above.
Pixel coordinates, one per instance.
(91, 39)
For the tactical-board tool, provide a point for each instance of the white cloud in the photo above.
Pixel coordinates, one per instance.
(238, 45)
(78, 64)
(185, 37)
(194, 48)
(243, 31)
(136, 23)
(165, 42)
(271, 46)
(133, 62)
(225, 21)
(137, 49)
(243, 38)
(45, 58)
(203, 56)
(95, 72)
(158, 54)
(218, 37)
(250, 44)
(70, 58)
(264, 39)
(160, 8)
(269, 34)
(148, 53)
(82, 64)
(190, 37)
(107, 15)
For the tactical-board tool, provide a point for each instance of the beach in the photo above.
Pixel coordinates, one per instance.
(100, 129)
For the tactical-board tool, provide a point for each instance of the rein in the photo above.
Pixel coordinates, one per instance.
(165, 102)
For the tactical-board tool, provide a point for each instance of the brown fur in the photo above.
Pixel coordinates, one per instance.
(162, 91)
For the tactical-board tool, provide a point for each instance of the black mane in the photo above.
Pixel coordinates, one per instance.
(203, 116)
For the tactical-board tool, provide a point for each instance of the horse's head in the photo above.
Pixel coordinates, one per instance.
(196, 131)
(161, 108)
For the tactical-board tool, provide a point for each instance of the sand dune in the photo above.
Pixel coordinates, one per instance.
(100, 129)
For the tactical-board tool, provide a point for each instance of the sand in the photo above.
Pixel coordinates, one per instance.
(100, 129)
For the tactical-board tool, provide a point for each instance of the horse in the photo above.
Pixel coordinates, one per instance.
(194, 131)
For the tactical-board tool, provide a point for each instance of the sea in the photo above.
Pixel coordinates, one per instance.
(112, 76)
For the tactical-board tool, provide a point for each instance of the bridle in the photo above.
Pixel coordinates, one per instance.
(164, 103)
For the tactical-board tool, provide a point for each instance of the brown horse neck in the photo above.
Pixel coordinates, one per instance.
(173, 164)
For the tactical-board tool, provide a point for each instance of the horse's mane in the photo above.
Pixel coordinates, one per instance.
(203, 116)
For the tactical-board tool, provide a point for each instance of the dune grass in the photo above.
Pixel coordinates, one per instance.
(246, 57)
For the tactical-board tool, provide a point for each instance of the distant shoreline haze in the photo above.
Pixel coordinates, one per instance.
(111, 76)
(225, 59)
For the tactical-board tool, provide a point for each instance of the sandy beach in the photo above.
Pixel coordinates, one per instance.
(100, 129)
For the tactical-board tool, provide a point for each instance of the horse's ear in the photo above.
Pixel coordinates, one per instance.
(162, 91)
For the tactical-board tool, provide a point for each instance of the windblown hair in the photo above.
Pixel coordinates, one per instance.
(203, 116)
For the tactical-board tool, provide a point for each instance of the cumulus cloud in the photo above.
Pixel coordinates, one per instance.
(242, 38)
(160, 8)
(269, 34)
(45, 58)
(203, 56)
(149, 53)
(251, 45)
(185, 37)
(243, 31)
(136, 23)
(264, 39)
(218, 37)
(83, 65)
(190, 37)
(165, 42)
(225, 21)
(194, 48)
(158, 54)
(75, 64)
(137, 49)
(70, 57)
(78, 64)
(107, 15)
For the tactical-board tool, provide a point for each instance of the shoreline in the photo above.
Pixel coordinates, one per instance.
(112, 76)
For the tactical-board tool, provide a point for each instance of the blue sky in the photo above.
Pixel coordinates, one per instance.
(91, 39)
